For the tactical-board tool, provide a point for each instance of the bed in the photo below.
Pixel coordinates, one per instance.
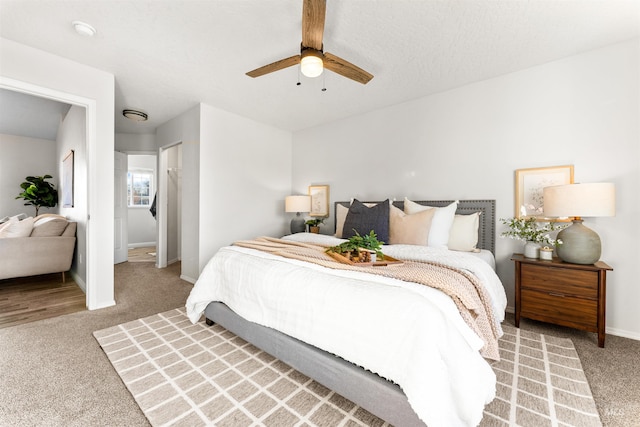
(435, 361)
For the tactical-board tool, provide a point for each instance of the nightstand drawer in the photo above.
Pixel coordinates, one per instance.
(565, 281)
(562, 310)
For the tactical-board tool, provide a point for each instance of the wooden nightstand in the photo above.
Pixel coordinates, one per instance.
(558, 292)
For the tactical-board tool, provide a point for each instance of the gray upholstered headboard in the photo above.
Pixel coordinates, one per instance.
(487, 228)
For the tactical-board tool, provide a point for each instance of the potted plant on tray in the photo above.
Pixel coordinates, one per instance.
(314, 225)
(359, 248)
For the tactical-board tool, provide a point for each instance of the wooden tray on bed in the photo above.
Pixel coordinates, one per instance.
(382, 263)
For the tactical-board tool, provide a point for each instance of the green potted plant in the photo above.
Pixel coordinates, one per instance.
(360, 248)
(38, 192)
(533, 232)
(314, 224)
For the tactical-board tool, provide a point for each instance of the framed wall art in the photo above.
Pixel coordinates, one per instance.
(529, 185)
(67, 181)
(319, 200)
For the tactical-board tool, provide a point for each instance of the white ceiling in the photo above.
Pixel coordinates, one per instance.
(31, 116)
(169, 55)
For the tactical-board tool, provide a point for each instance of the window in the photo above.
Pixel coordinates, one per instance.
(139, 188)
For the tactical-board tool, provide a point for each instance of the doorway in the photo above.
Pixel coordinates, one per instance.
(135, 207)
(169, 205)
(141, 211)
(79, 136)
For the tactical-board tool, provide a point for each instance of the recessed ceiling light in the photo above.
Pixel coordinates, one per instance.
(135, 115)
(83, 28)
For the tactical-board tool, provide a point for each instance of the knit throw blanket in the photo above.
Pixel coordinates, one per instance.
(466, 291)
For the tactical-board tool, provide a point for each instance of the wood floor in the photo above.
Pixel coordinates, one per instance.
(146, 254)
(28, 299)
(34, 298)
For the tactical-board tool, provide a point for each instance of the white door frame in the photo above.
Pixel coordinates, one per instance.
(124, 189)
(162, 204)
(121, 211)
(90, 107)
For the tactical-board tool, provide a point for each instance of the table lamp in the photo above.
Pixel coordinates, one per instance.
(297, 204)
(580, 244)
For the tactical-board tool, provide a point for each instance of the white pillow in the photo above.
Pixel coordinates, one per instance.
(6, 224)
(463, 235)
(15, 228)
(440, 224)
(49, 226)
(341, 216)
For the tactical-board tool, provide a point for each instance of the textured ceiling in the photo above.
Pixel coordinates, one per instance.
(169, 55)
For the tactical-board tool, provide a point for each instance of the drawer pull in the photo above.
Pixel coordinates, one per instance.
(553, 294)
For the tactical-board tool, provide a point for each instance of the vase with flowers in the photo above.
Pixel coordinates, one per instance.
(536, 234)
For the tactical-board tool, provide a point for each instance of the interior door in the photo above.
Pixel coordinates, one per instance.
(121, 241)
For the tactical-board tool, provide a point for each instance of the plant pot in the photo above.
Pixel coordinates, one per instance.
(546, 254)
(532, 249)
(313, 229)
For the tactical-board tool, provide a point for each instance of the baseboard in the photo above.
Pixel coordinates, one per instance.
(188, 279)
(622, 333)
(81, 284)
(141, 245)
(510, 309)
(104, 305)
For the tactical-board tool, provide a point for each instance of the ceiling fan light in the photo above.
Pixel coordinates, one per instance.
(311, 64)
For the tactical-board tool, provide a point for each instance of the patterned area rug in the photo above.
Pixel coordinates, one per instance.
(189, 375)
(540, 383)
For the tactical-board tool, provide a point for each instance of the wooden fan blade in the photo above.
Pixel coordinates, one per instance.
(313, 14)
(346, 69)
(275, 66)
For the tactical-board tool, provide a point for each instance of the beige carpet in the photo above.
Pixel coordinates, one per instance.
(184, 374)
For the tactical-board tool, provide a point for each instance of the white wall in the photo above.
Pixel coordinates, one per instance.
(22, 157)
(466, 144)
(141, 225)
(37, 72)
(72, 136)
(186, 129)
(135, 143)
(235, 175)
(245, 174)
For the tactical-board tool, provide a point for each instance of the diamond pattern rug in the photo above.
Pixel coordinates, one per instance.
(189, 375)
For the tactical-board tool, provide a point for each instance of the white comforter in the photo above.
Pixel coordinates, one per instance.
(405, 332)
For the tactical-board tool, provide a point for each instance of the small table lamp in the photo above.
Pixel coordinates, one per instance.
(297, 204)
(580, 244)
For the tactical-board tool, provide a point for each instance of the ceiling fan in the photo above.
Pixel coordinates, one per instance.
(312, 59)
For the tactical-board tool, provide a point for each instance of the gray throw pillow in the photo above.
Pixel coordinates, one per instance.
(363, 219)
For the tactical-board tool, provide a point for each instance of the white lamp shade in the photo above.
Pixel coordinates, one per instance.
(580, 200)
(311, 66)
(297, 204)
